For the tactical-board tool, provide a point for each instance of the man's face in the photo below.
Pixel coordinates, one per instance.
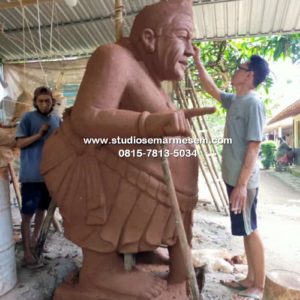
(241, 75)
(44, 103)
(173, 48)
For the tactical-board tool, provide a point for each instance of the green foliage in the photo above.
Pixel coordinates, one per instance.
(282, 46)
(268, 150)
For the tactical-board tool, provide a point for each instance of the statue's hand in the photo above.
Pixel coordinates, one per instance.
(173, 123)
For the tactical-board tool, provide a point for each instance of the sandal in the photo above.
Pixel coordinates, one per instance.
(250, 296)
(233, 284)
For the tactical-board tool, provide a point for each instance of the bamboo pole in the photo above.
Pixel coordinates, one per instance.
(129, 258)
(196, 100)
(209, 159)
(180, 97)
(185, 248)
(204, 131)
(119, 19)
(45, 228)
(15, 184)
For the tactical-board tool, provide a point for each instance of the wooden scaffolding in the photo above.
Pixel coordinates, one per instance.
(209, 159)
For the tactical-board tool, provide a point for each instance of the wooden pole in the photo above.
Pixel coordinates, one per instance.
(185, 248)
(129, 258)
(15, 184)
(183, 104)
(196, 101)
(209, 159)
(45, 229)
(119, 19)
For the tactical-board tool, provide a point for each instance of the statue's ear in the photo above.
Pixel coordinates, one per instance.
(148, 39)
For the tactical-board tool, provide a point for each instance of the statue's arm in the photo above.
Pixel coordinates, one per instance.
(96, 112)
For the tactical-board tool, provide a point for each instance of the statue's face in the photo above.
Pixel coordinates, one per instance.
(173, 48)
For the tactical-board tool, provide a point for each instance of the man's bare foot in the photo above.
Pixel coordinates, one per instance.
(106, 272)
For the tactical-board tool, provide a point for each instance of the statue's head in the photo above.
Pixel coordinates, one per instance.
(162, 33)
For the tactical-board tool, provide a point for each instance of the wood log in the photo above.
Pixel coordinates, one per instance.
(282, 285)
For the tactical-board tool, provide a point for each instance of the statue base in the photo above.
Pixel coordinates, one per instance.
(72, 290)
(67, 291)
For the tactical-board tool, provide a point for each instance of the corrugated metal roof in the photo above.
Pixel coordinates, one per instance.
(290, 111)
(232, 19)
(78, 31)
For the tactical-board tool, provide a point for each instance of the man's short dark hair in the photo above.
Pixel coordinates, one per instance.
(260, 68)
(43, 90)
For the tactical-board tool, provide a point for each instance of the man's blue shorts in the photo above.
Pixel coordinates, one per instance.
(35, 196)
(245, 223)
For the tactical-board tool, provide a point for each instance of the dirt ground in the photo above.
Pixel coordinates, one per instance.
(279, 219)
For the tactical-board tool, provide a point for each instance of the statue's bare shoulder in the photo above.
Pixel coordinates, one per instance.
(106, 77)
(113, 56)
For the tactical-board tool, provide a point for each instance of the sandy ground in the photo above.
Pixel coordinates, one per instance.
(279, 216)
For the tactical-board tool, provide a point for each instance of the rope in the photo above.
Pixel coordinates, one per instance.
(51, 28)
(39, 23)
(33, 43)
(24, 46)
(117, 10)
(57, 29)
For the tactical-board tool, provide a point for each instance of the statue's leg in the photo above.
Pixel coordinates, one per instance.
(106, 272)
(177, 272)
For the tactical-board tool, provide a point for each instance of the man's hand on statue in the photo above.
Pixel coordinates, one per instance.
(173, 123)
(238, 199)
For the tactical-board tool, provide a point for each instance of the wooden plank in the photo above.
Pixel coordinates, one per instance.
(17, 4)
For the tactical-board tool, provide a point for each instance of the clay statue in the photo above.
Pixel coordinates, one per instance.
(110, 204)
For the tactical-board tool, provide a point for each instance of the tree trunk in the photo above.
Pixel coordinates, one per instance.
(282, 285)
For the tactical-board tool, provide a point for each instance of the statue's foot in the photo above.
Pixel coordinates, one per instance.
(136, 284)
(70, 291)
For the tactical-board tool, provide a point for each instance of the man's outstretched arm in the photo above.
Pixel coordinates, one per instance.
(207, 82)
